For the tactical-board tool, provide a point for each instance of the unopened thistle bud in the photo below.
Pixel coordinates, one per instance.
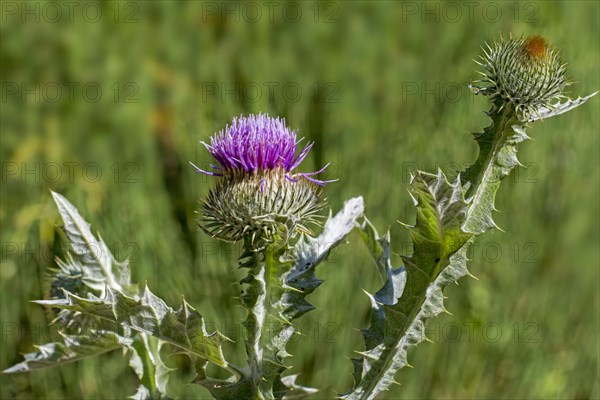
(257, 188)
(526, 72)
(69, 276)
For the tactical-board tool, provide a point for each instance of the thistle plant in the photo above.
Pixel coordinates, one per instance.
(259, 197)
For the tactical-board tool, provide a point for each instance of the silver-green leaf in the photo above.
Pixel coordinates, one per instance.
(71, 348)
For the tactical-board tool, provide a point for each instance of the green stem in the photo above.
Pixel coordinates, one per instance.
(497, 157)
(267, 330)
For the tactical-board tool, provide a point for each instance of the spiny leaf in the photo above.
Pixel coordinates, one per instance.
(379, 247)
(71, 348)
(142, 393)
(147, 362)
(497, 157)
(441, 212)
(395, 280)
(183, 328)
(544, 112)
(397, 324)
(296, 392)
(92, 289)
(94, 259)
(310, 252)
(226, 390)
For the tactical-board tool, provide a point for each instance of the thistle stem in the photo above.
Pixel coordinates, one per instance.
(497, 157)
(267, 330)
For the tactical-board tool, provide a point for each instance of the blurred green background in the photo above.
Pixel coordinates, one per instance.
(106, 103)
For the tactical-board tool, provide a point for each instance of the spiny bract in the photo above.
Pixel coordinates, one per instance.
(256, 188)
(524, 71)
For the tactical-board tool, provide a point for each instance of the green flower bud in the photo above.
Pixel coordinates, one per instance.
(526, 72)
(253, 204)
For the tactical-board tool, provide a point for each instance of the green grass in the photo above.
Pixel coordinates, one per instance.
(538, 280)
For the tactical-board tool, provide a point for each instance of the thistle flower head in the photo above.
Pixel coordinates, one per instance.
(257, 187)
(524, 71)
(258, 143)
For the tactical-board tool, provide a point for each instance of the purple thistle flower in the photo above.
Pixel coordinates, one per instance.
(259, 143)
(259, 191)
